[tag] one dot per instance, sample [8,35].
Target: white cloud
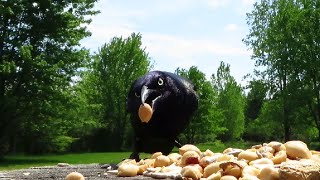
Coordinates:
[181,48]
[247,3]
[169,6]
[102,34]
[218,3]
[171,52]
[105,32]
[231,27]
[245,6]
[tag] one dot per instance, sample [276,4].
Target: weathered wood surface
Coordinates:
[90,172]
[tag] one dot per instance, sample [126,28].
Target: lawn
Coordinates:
[24,161]
[21,161]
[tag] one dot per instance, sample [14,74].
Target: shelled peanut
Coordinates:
[268,161]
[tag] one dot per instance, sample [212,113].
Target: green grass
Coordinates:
[21,161]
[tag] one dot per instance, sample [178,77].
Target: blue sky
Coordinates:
[179,33]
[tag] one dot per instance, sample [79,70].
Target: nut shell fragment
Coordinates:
[231,168]
[191,171]
[205,161]
[277,146]
[232,151]
[228,177]
[279,157]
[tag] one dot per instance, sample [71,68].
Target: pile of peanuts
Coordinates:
[268,161]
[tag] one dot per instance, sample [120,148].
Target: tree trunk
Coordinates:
[2,78]
[316,110]
[284,95]
[317,114]
[286,123]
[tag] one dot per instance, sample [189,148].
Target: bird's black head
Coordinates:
[158,89]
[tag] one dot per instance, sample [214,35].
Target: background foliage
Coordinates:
[56,97]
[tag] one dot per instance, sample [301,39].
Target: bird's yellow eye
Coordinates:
[160,82]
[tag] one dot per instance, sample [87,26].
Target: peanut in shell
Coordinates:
[145,112]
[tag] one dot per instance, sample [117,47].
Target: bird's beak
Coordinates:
[144,93]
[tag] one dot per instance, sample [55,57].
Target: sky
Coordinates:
[179,33]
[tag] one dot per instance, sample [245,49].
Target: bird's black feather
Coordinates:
[176,101]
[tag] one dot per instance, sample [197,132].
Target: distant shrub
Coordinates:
[314,146]
[61,144]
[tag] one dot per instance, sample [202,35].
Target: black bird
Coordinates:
[173,100]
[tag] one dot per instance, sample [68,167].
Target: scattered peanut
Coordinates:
[215,176]
[269,173]
[128,170]
[191,171]
[208,152]
[189,147]
[267,161]
[261,161]
[248,155]
[225,157]
[161,161]
[190,157]
[174,157]
[155,155]
[211,169]
[250,171]
[297,149]
[231,168]
[75,176]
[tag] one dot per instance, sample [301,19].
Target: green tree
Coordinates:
[230,102]
[205,125]
[284,37]
[116,66]
[270,45]
[268,125]
[39,53]
[308,33]
[255,98]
